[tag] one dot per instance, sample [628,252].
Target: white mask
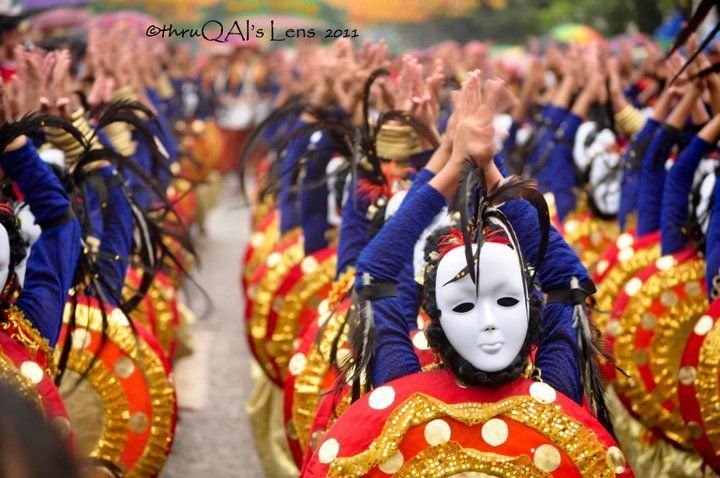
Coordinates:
[488,329]
[31,233]
[4,256]
[333,215]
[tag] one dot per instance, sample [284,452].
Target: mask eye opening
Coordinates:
[507,301]
[464,307]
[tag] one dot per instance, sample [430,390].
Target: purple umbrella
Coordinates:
[29,5]
[60,19]
[131,19]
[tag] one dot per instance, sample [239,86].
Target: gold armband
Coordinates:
[629,120]
[164,87]
[120,136]
[68,144]
[397,142]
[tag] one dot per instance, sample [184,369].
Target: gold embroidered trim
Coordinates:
[570,436]
[11,374]
[159,385]
[665,350]
[301,293]
[707,386]
[267,239]
[621,272]
[19,328]
[309,383]
[450,459]
[589,237]
[265,294]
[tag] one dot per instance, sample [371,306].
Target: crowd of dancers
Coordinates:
[466,265]
[458,264]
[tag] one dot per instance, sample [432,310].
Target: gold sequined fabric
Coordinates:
[665,307]
[316,277]
[123,358]
[569,436]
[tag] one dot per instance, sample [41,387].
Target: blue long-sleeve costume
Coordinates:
[552,117]
[117,236]
[383,258]
[712,243]
[676,195]
[652,178]
[52,261]
[562,168]
[632,165]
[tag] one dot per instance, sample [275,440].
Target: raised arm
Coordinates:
[52,261]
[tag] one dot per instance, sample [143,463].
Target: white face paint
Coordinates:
[488,329]
[394,204]
[333,214]
[31,233]
[4,256]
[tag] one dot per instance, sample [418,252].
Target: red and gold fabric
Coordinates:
[625,257]
[589,236]
[119,394]
[427,424]
[656,314]
[158,310]
[262,287]
[295,303]
[26,364]
[260,246]
[699,386]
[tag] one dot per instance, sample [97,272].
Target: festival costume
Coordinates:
[29,331]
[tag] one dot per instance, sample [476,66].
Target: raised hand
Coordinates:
[474,133]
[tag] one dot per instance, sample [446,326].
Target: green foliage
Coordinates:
[524,18]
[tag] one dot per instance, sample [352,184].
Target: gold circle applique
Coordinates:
[625,254]
[687,375]
[328,451]
[624,240]
[81,338]
[381,397]
[665,263]
[547,458]
[668,298]
[703,325]
[614,328]
[343,355]
[392,464]
[602,266]
[308,265]
[437,432]
[257,239]
[495,432]
[543,392]
[297,364]
[62,426]
[648,321]
[633,286]
[32,371]
[616,459]
[291,430]
[274,259]
[138,422]
[693,288]
[570,226]
[124,367]
[695,429]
